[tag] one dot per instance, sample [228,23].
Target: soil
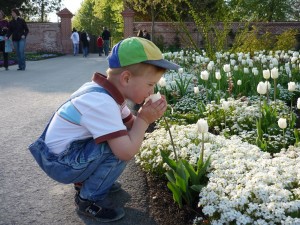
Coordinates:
[162,206]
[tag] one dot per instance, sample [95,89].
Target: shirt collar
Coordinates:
[101,80]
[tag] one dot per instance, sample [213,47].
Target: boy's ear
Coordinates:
[125,76]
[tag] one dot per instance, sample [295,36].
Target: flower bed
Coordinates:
[250,104]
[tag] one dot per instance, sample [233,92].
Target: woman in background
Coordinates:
[3,31]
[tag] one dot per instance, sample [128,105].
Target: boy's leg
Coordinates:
[91,200]
[97,185]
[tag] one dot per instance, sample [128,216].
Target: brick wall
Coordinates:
[44,37]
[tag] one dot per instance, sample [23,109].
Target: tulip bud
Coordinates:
[162,82]
[202,126]
[153,97]
[225,105]
[282,123]
[239,82]
[226,68]
[204,75]
[291,86]
[196,90]
[261,88]
[266,74]
[274,73]
[298,103]
[180,70]
[218,75]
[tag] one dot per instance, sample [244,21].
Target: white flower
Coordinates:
[274,73]
[202,126]
[196,90]
[180,70]
[204,75]
[246,70]
[298,103]
[261,88]
[225,105]
[226,68]
[291,86]
[268,85]
[282,123]
[153,97]
[162,82]
[266,74]
[218,75]
[239,82]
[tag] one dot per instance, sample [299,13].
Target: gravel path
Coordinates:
[28,99]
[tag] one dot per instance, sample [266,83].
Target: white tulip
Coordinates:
[236,68]
[225,105]
[204,75]
[180,70]
[274,73]
[239,82]
[153,97]
[267,83]
[196,90]
[246,70]
[282,123]
[266,74]
[226,68]
[162,82]
[255,71]
[291,86]
[202,126]
[261,88]
[218,75]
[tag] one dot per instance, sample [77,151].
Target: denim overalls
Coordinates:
[83,161]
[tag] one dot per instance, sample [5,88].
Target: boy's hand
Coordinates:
[150,112]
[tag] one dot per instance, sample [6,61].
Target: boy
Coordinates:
[92,135]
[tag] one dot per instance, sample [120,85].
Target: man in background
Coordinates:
[106,38]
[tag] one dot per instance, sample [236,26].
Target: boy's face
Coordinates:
[140,86]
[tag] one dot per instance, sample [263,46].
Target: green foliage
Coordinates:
[38,10]
[7,5]
[268,10]
[286,40]
[250,41]
[95,14]
[185,181]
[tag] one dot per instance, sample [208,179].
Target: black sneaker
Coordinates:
[114,188]
[99,211]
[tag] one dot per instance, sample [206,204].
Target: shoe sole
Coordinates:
[99,219]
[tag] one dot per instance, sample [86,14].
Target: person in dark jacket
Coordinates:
[106,38]
[3,30]
[85,43]
[19,30]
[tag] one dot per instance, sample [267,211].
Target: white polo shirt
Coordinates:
[93,114]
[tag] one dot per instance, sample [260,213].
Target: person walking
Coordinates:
[75,40]
[3,31]
[100,45]
[102,133]
[85,43]
[19,30]
[106,38]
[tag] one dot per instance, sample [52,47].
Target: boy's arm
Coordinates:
[125,147]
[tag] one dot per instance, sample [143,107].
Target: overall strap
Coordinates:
[75,95]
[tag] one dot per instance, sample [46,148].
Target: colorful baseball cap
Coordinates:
[138,50]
